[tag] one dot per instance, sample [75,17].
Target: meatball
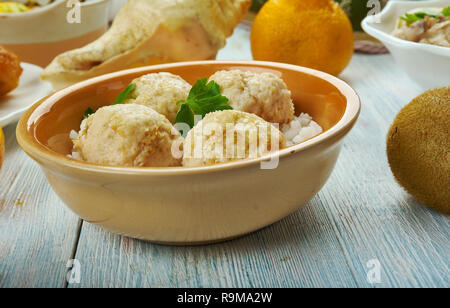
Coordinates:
[10,71]
[263,94]
[225,136]
[161,91]
[128,135]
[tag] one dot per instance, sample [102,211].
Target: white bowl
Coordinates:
[39,35]
[428,65]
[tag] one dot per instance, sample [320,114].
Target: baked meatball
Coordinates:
[230,135]
[263,94]
[128,135]
[160,91]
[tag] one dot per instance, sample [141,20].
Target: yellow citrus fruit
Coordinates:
[2,146]
[312,33]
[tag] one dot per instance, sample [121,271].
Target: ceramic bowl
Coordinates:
[428,65]
[39,35]
[189,205]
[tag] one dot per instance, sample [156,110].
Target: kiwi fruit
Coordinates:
[418,148]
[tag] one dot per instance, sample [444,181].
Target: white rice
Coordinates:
[73,135]
[75,155]
[300,129]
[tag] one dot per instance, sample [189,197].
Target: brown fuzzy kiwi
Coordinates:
[418,148]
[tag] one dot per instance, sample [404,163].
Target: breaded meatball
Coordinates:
[128,135]
[263,94]
[10,71]
[230,135]
[160,91]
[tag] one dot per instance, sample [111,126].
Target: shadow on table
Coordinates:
[304,225]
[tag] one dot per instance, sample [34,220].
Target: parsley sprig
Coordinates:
[124,95]
[203,98]
[88,112]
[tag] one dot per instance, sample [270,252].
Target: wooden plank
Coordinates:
[372,215]
[37,232]
[300,251]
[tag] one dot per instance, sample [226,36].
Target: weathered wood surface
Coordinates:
[360,215]
[37,232]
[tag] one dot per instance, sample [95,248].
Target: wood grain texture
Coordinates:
[375,217]
[361,214]
[37,232]
[302,250]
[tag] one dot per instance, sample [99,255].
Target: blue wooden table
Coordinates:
[361,230]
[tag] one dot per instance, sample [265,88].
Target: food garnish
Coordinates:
[88,112]
[413,17]
[124,95]
[203,98]
[446,11]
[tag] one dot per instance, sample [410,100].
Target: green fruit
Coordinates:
[418,148]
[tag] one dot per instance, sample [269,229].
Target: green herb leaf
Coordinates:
[125,94]
[185,115]
[446,11]
[203,98]
[88,112]
[411,18]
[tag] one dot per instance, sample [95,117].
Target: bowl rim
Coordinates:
[48,7]
[40,152]
[368,26]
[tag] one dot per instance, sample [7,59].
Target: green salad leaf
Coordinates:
[203,98]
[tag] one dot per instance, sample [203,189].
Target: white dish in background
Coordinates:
[428,65]
[39,35]
[30,89]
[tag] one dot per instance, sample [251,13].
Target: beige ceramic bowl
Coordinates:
[189,205]
[39,35]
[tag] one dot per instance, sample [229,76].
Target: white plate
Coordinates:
[30,90]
